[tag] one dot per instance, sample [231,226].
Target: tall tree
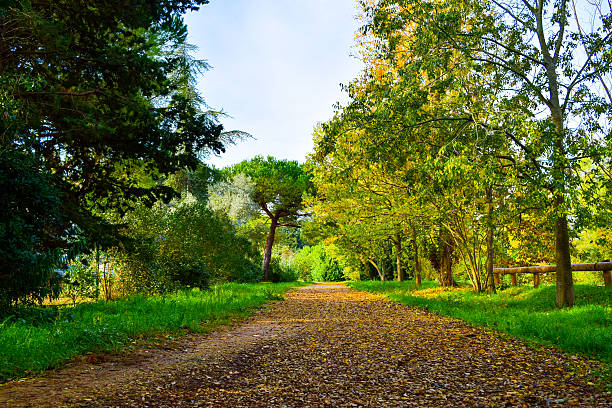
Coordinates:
[93,93]
[28,227]
[279,187]
[533,47]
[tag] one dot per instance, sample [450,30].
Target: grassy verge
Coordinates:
[46,338]
[523,312]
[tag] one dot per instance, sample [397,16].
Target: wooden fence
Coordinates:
[604,267]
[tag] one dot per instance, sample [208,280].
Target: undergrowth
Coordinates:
[37,339]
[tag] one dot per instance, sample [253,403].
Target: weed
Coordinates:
[271,295]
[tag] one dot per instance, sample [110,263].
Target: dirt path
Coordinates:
[326,345]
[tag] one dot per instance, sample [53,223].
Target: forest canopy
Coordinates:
[476,137]
[479,133]
[98,105]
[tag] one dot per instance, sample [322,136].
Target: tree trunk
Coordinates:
[490,253]
[417,262]
[268,250]
[565,282]
[446,266]
[398,257]
[383,275]
[107,276]
[97,271]
[380,275]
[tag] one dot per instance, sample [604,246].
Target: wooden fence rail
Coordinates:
[604,267]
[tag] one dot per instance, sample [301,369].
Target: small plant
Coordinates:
[79,281]
[271,295]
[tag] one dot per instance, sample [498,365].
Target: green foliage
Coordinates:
[302,263]
[95,90]
[30,224]
[98,103]
[464,134]
[80,281]
[279,185]
[196,183]
[185,244]
[278,188]
[282,270]
[594,244]
[233,198]
[46,338]
[250,272]
[523,312]
[316,264]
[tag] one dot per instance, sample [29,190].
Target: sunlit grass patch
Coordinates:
[436,292]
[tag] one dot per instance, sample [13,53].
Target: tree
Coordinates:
[90,90]
[316,263]
[28,226]
[532,46]
[233,198]
[279,187]
[396,176]
[182,245]
[95,94]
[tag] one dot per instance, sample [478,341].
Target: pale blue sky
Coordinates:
[277,66]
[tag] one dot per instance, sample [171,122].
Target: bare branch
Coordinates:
[513,15]
[519,74]
[562,24]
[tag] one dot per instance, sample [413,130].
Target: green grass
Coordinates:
[45,338]
[522,312]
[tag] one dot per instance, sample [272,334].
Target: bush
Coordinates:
[188,274]
[315,263]
[182,245]
[79,281]
[281,271]
[249,272]
[302,263]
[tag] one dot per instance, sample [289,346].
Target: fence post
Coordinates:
[497,282]
[536,280]
[607,277]
[513,275]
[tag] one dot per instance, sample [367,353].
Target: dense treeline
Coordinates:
[102,140]
[98,106]
[478,135]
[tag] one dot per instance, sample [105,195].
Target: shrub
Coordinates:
[79,281]
[249,272]
[281,271]
[182,245]
[315,263]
